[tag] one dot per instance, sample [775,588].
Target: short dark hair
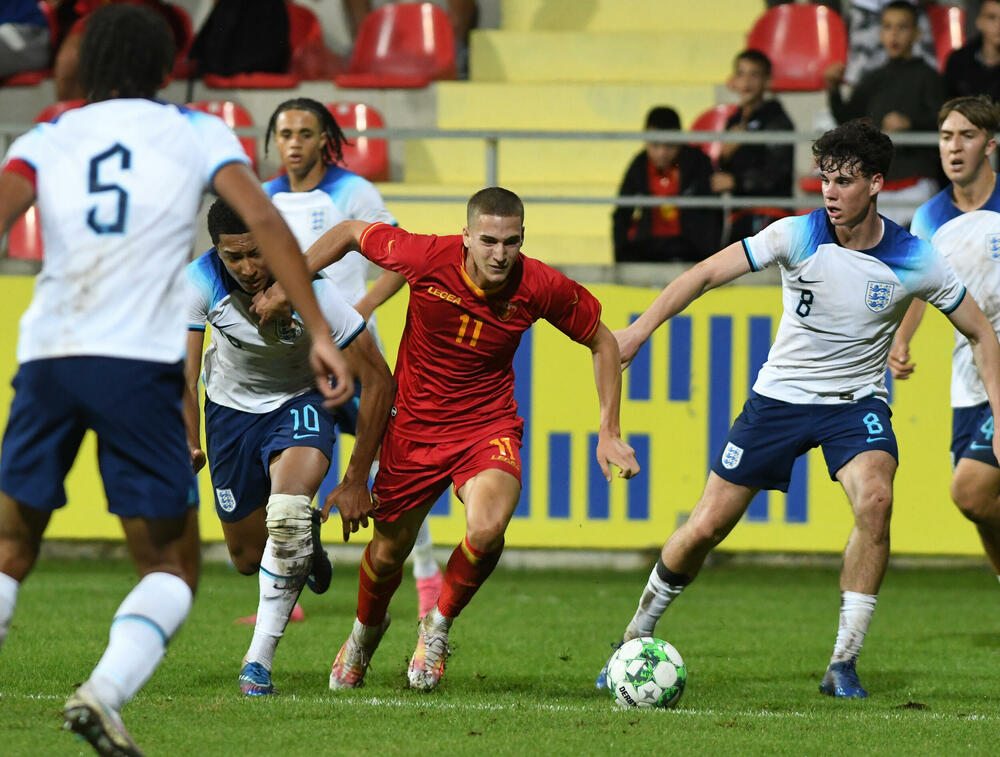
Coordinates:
[662,117]
[222,219]
[981,111]
[901,5]
[494,201]
[754,56]
[335,139]
[854,146]
[127,51]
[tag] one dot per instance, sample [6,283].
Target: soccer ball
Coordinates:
[646,672]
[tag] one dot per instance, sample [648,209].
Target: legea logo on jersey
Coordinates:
[731,456]
[993,246]
[879,295]
[226,499]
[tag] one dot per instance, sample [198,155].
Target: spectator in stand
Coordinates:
[902,95]
[760,170]
[24,37]
[243,37]
[975,68]
[666,233]
[865,52]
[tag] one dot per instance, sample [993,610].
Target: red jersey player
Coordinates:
[455,420]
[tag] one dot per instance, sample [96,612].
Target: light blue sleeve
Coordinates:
[218,144]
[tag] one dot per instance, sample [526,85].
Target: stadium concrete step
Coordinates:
[448,217]
[569,106]
[629,15]
[531,161]
[704,57]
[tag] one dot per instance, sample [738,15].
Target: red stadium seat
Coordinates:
[365,156]
[255,80]
[235,116]
[303,26]
[713,119]
[948,27]
[53,111]
[24,240]
[402,45]
[310,59]
[801,41]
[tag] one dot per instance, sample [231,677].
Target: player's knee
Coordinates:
[386,555]
[972,500]
[289,519]
[246,561]
[873,509]
[486,537]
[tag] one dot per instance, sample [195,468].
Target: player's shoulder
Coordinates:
[934,213]
[901,250]
[344,185]
[276,185]
[797,237]
[209,277]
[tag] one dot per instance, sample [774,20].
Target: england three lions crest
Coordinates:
[993,246]
[878,295]
[731,456]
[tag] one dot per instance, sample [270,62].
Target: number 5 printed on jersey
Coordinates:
[121,158]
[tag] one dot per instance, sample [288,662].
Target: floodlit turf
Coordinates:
[520,681]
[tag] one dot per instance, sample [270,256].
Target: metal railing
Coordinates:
[491,173]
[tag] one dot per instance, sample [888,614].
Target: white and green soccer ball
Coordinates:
[646,672]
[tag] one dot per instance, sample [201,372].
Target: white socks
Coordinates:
[8,600]
[662,588]
[286,562]
[278,593]
[424,564]
[143,625]
[855,616]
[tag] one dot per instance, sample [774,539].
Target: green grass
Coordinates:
[520,681]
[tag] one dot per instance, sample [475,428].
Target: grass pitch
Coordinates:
[520,680]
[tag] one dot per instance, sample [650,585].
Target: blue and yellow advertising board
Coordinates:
[678,399]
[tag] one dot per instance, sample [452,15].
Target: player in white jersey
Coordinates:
[848,276]
[270,439]
[963,222]
[118,184]
[314,195]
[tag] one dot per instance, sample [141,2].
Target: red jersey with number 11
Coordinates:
[455,371]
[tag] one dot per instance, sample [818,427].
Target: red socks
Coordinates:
[467,569]
[375,591]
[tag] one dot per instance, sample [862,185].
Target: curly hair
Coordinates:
[854,146]
[222,219]
[127,51]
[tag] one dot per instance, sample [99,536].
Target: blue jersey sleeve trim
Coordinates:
[958,302]
[346,342]
[196,327]
[746,250]
[244,160]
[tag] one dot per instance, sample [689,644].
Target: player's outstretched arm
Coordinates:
[192,411]
[385,286]
[16,196]
[240,189]
[325,251]
[724,266]
[975,327]
[899,355]
[378,390]
[611,449]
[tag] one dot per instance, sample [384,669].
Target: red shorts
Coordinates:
[412,473]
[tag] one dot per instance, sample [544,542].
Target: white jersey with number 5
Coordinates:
[118,184]
[842,306]
[971,244]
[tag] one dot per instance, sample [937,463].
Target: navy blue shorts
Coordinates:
[769,434]
[972,434]
[134,407]
[240,446]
